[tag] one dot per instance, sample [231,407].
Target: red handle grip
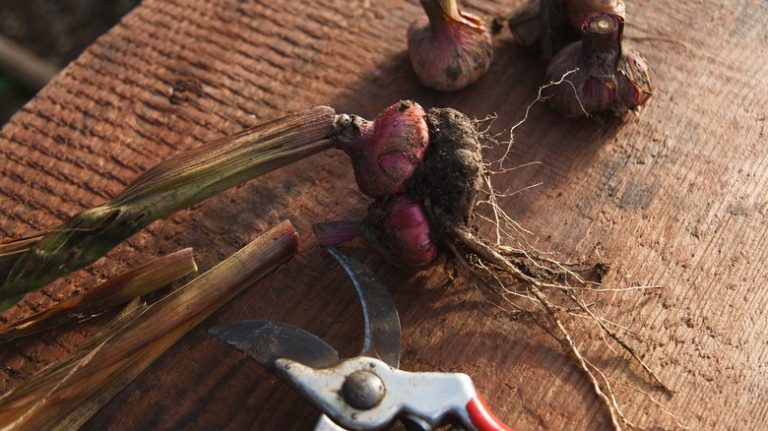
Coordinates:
[482,417]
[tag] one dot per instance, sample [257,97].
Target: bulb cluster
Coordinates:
[604,76]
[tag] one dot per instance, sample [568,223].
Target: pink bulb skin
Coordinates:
[400,230]
[407,226]
[390,149]
[449,53]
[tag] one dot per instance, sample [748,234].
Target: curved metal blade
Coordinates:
[266,341]
[382,323]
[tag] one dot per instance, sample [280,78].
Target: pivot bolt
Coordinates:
[363,390]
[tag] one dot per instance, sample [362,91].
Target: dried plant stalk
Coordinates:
[118,290]
[174,184]
[66,395]
[11,250]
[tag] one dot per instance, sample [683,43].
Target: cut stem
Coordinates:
[601,43]
[439,10]
[174,184]
[119,290]
[66,395]
[335,233]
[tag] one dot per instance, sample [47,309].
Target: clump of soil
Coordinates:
[449,178]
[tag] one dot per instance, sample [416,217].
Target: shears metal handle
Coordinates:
[365,393]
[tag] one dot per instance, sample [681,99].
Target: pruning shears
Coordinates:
[366,392]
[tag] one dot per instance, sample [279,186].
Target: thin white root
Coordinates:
[678,422]
[540,98]
[620,341]
[523,281]
[569,345]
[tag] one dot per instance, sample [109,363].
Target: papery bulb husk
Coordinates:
[607,79]
[449,52]
[386,152]
[637,86]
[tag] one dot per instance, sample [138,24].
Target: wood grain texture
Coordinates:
[674,197]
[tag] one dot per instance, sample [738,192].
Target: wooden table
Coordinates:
[674,198]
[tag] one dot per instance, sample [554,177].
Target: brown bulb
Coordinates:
[605,77]
[449,49]
[551,25]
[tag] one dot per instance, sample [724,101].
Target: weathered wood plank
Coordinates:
[675,198]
